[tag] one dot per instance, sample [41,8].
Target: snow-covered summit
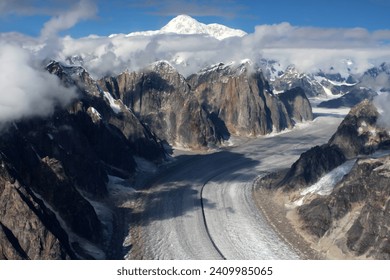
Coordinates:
[184,24]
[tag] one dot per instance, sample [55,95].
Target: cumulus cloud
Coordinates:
[382,102]
[309,48]
[27,90]
[34,7]
[346,50]
[83,10]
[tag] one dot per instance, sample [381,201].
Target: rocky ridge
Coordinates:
[357,134]
[206,108]
[55,170]
[162,99]
[359,203]
[348,220]
[53,167]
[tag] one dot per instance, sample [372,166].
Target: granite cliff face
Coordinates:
[207,107]
[51,168]
[54,170]
[359,204]
[241,98]
[162,99]
[297,105]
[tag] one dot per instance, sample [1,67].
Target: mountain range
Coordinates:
[57,171]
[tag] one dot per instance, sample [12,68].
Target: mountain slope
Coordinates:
[52,169]
[163,100]
[241,98]
[336,195]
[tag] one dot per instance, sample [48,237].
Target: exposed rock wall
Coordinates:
[354,218]
[365,191]
[241,99]
[161,98]
[357,134]
[28,229]
[297,104]
[50,165]
[209,106]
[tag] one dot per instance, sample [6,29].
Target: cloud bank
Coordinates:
[27,90]
[309,48]
[34,7]
[345,50]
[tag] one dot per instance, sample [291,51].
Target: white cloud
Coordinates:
[85,9]
[308,48]
[33,7]
[27,90]
[382,102]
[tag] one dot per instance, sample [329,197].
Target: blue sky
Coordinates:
[120,16]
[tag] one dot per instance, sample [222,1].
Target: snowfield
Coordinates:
[202,207]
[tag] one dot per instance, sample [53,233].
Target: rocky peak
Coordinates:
[163,67]
[359,133]
[239,96]
[292,72]
[50,166]
[161,98]
[222,71]
[73,75]
[184,24]
[376,71]
[272,69]
[297,104]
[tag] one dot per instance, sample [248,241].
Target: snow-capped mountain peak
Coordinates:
[184,24]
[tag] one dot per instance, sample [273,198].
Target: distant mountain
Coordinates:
[350,99]
[377,78]
[291,78]
[185,25]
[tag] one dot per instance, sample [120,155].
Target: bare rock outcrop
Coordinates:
[162,99]
[209,106]
[297,104]
[51,167]
[362,198]
[28,229]
[357,134]
[353,217]
[241,98]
